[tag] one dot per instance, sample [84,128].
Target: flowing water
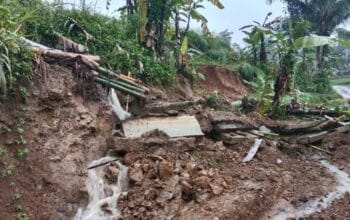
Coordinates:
[104,189]
[285,210]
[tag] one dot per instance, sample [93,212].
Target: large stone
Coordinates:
[112,173]
[136,175]
[217,190]
[202,182]
[164,196]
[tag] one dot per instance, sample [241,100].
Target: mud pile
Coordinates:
[191,178]
[228,83]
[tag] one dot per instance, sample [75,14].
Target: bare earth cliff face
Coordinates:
[68,124]
[64,132]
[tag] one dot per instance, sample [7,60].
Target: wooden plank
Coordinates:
[320,149]
[313,137]
[180,126]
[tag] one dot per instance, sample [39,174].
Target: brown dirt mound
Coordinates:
[192,178]
[228,83]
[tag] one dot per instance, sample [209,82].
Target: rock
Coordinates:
[164,196]
[64,207]
[129,159]
[190,167]
[203,173]
[202,182]
[230,139]
[279,161]
[220,146]
[165,170]
[217,190]
[55,158]
[186,176]
[154,141]
[146,167]
[160,152]
[172,183]
[112,173]
[105,208]
[172,113]
[211,173]
[157,94]
[201,198]
[136,175]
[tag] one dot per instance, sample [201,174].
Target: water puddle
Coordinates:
[107,180]
[285,210]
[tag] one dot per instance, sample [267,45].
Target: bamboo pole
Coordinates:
[138,89]
[119,87]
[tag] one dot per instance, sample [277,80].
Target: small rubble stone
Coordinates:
[165,170]
[217,190]
[112,173]
[202,182]
[136,175]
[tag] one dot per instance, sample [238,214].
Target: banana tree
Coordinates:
[257,34]
[287,49]
[12,16]
[187,10]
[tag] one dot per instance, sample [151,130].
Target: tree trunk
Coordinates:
[161,22]
[177,39]
[319,58]
[188,20]
[263,55]
[255,56]
[130,6]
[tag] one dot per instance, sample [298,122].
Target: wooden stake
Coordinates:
[320,149]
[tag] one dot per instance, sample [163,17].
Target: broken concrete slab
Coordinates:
[232,139]
[297,127]
[222,128]
[314,137]
[179,126]
[162,107]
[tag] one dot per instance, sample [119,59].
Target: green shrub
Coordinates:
[247,71]
[116,41]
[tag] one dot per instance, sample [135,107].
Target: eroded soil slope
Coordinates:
[65,127]
[225,81]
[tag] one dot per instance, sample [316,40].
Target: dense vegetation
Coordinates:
[153,40]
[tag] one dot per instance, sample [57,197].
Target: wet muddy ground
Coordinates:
[65,127]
